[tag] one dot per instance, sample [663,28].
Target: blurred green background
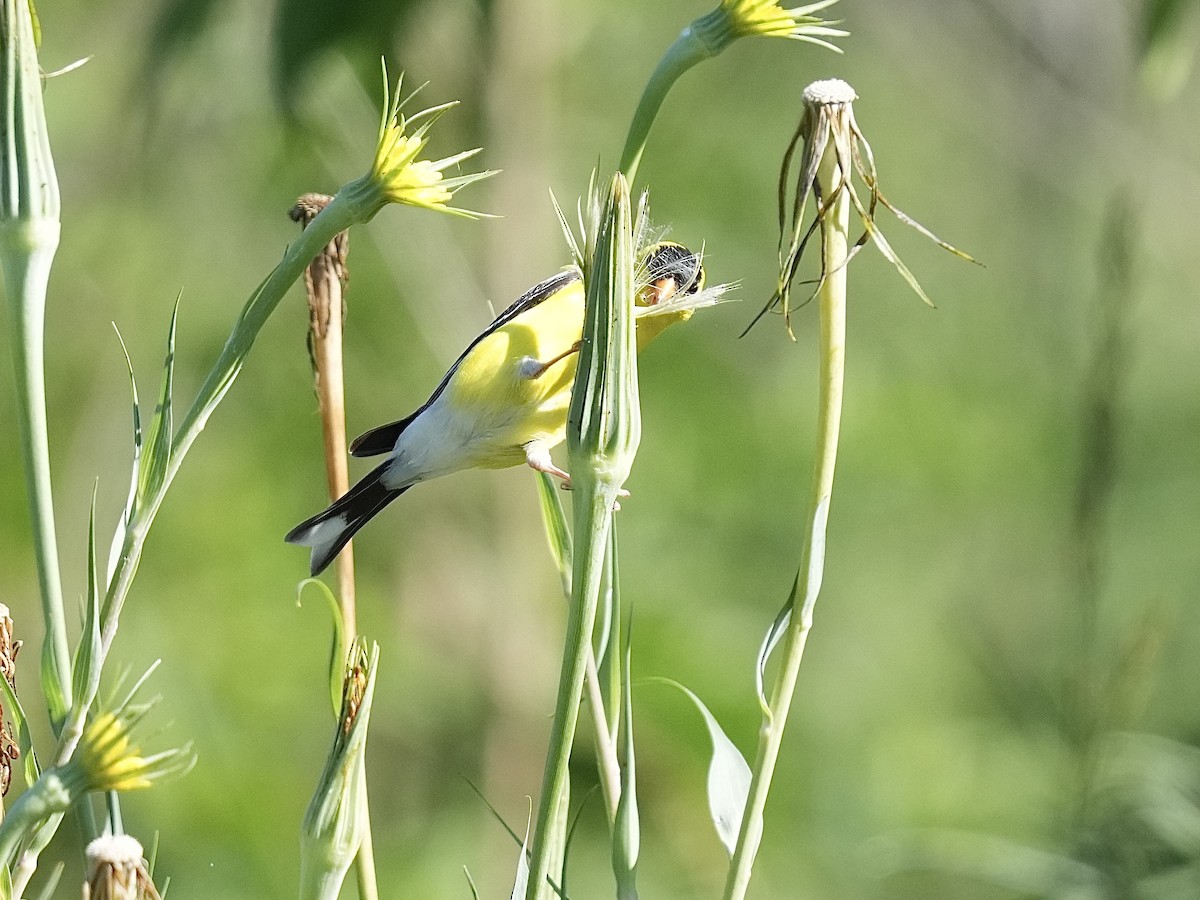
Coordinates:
[1009,611]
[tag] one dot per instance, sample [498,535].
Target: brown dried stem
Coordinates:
[325,278]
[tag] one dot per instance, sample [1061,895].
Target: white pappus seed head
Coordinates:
[114,849]
[828,92]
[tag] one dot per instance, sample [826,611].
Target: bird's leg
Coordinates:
[537,455]
[532,368]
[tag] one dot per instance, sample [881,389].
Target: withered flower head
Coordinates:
[833,154]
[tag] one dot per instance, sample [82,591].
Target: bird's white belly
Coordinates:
[444,439]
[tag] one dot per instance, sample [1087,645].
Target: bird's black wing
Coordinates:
[383,439]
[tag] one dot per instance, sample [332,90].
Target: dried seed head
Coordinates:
[117,870]
[829,92]
[327,266]
[833,155]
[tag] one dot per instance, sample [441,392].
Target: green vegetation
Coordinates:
[998,700]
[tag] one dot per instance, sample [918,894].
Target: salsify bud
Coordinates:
[336,820]
[29,189]
[605,420]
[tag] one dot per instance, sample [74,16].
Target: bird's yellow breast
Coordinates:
[493,384]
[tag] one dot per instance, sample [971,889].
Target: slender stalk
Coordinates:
[832,300]
[325,280]
[603,431]
[607,766]
[592,521]
[26,275]
[347,208]
[355,203]
[558,534]
[29,235]
[364,861]
[687,50]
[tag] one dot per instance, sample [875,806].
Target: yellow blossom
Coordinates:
[769,19]
[397,172]
[109,760]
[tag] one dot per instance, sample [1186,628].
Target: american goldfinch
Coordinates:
[504,401]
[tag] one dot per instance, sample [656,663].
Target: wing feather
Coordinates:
[383,438]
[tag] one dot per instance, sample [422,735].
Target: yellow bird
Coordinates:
[504,401]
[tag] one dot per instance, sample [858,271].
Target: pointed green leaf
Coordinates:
[340,650]
[816,574]
[728,775]
[131,502]
[561,888]
[626,844]
[495,813]
[521,883]
[157,447]
[52,690]
[86,670]
[557,532]
[777,630]
[47,892]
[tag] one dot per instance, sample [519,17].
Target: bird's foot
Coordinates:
[537,456]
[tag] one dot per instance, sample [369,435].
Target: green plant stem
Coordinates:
[607,766]
[592,523]
[357,202]
[603,431]
[27,249]
[832,299]
[364,860]
[48,797]
[559,537]
[687,50]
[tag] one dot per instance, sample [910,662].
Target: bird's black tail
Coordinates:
[329,531]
